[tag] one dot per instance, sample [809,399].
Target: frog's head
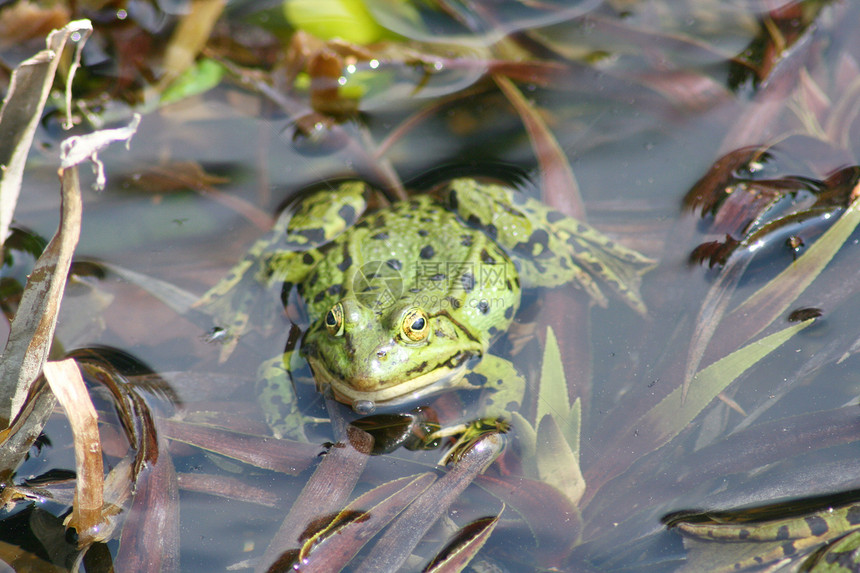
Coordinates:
[373,357]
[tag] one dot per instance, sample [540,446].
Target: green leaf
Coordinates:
[665,420]
[527,437]
[327,19]
[197,79]
[553,397]
[557,462]
[775,297]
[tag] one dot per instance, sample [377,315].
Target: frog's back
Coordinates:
[418,253]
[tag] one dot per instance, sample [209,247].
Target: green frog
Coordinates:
[406,301]
[808,538]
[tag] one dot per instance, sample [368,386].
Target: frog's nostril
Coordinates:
[381,353]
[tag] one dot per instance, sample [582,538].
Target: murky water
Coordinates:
[643,99]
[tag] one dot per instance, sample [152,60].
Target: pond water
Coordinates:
[746,111]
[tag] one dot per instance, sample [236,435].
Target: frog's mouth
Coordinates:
[437,380]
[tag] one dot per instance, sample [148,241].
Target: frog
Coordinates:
[406,301]
[801,534]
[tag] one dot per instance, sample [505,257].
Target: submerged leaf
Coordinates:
[558,461]
[774,298]
[553,397]
[559,183]
[465,545]
[404,534]
[326,492]
[150,533]
[333,547]
[665,420]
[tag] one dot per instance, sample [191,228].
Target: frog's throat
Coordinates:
[433,382]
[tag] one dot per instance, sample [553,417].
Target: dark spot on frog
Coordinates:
[335,289]
[319,296]
[492,331]
[346,263]
[347,213]
[817,525]
[508,284]
[420,368]
[467,280]
[537,245]
[476,380]
[423,232]
[491,231]
[361,224]
[380,236]
[438,277]
[509,312]
[562,262]
[308,259]
[394,264]
[853,515]
[415,290]
[483,306]
[554,217]
[426,220]
[486,258]
[440,334]
[453,203]
[466,240]
[427,252]
[313,236]
[414,205]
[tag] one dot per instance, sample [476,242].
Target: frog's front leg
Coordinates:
[503,391]
[503,386]
[277,397]
[550,248]
[286,254]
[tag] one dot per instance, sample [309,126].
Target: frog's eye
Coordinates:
[416,324]
[334,320]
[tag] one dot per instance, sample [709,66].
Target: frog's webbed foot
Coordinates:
[467,435]
[503,392]
[550,248]
[277,397]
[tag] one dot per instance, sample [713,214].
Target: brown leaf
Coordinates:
[464,546]
[34,324]
[404,534]
[332,548]
[261,451]
[558,182]
[150,534]
[325,493]
[69,388]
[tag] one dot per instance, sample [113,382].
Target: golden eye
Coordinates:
[334,320]
[416,324]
